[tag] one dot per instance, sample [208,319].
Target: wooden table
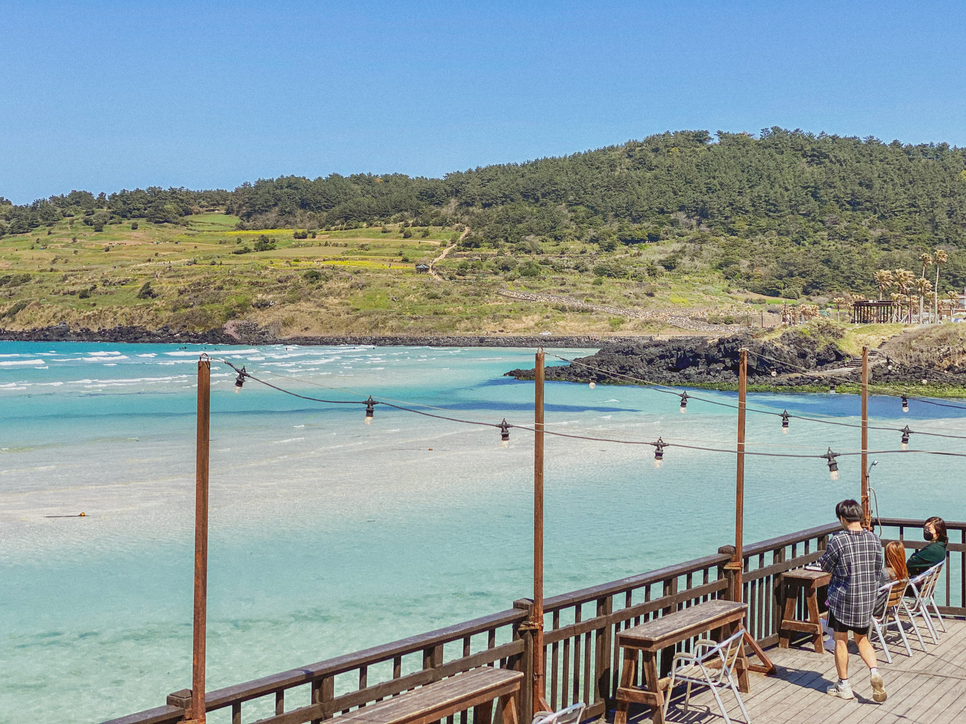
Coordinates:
[476,688]
[649,638]
[810,581]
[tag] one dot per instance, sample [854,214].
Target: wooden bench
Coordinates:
[659,633]
[472,689]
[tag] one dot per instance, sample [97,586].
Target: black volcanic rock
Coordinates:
[795,359]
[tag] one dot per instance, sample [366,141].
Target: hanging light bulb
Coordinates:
[785,417]
[659,453]
[370,410]
[831,388]
[905,404]
[684,402]
[905,437]
[240,380]
[833,467]
[504,434]
[592,385]
[774,373]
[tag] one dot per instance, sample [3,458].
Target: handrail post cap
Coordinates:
[180,699]
[523,603]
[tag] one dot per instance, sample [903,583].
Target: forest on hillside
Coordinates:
[783,213]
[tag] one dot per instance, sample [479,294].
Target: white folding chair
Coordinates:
[923,589]
[893,604]
[570,715]
[700,667]
[929,596]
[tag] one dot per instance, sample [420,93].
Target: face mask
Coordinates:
[926,535]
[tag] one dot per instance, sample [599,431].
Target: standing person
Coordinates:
[934,531]
[854,558]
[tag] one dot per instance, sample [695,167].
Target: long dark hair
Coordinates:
[939,525]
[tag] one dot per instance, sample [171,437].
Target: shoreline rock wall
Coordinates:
[247,333]
[795,360]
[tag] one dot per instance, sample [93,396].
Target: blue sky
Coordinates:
[109,95]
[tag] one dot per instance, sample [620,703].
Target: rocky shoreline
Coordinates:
[247,333]
[793,361]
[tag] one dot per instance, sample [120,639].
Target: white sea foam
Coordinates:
[24,363]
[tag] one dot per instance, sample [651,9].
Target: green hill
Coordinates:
[677,220]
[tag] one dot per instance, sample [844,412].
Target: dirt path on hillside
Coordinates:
[447,250]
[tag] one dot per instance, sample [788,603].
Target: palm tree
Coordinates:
[940,258]
[923,286]
[883,278]
[926,260]
[896,306]
[953,296]
[903,279]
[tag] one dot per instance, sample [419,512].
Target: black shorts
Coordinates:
[842,628]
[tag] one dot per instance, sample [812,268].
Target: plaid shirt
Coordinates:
[855,560]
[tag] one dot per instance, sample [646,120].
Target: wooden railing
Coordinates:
[580,632]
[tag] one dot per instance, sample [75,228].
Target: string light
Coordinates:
[666,390]
[684,402]
[659,453]
[659,446]
[504,434]
[592,385]
[833,467]
[785,417]
[905,404]
[905,437]
[240,380]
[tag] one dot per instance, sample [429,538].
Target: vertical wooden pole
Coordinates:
[539,663]
[866,509]
[197,713]
[738,562]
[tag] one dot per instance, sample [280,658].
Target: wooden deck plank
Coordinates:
[929,687]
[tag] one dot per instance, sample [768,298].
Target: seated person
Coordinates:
[895,562]
[934,531]
[895,570]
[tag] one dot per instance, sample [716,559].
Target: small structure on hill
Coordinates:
[868,312]
[422,268]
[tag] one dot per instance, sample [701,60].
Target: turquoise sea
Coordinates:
[328,535]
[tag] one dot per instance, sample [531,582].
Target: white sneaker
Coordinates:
[878,688]
[842,691]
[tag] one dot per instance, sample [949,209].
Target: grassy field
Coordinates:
[359,281]
[199,275]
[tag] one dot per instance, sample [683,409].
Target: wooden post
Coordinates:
[197,711]
[539,663]
[866,508]
[737,562]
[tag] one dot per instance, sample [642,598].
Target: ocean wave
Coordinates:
[24,363]
[101,358]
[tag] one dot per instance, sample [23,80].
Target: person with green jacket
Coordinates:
[934,531]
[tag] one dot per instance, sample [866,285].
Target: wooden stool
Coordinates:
[810,582]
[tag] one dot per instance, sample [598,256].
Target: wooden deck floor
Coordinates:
[930,688]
